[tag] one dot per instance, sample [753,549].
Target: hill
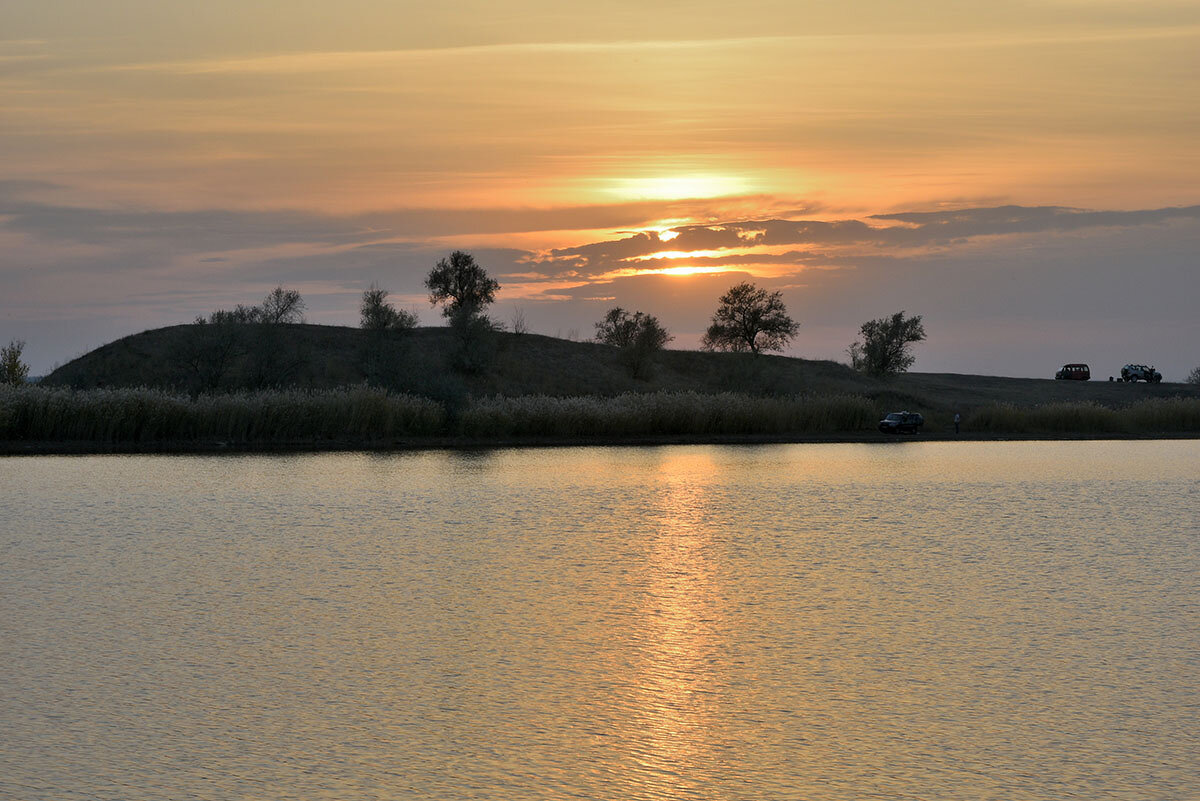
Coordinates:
[422,361]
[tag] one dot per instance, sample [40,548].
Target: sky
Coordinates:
[1024,175]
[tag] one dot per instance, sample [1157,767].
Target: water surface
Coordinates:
[903,621]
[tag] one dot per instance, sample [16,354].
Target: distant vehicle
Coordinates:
[1140,372]
[1074,372]
[901,423]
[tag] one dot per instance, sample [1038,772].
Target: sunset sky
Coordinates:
[1026,175]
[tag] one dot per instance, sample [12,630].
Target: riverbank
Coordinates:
[204,447]
[44,420]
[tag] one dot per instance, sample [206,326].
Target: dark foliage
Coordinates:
[13,371]
[379,315]
[460,285]
[750,319]
[884,348]
[279,306]
[638,335]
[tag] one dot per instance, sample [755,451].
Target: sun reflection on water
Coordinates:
[675,687]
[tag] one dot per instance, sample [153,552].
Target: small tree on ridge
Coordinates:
[638,335]
[379,315]
[283,306]
[12,370]
[750,318]
[884,349]
[460,285]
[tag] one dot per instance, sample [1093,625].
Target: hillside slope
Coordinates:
[422,361]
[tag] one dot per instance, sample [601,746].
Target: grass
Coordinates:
[1148,416]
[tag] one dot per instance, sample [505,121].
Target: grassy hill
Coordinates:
[307,386]
[422,361]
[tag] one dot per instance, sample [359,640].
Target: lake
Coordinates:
[993,620]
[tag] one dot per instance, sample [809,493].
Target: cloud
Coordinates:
[840,238]
[976,273]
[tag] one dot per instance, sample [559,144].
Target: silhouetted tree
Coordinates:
[884,349]
[239,315]
[283,306]
[519,326]
[379,315]
[475,341]
[750,318]
[1194,376]
[638,335]
[279,306]
[459,284]
[12,370]
[207,355]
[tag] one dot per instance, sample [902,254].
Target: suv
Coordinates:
[1074,372]
[1135,372]
[901,423]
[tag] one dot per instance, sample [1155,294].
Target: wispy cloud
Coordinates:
[321,61]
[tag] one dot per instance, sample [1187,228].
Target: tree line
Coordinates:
[748,319]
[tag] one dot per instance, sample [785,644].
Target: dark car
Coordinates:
[1074,372]
[901,423]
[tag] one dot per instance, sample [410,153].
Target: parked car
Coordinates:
[901,423]
[1074,372]
[1140,372]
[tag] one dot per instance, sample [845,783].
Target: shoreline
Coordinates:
[406,444]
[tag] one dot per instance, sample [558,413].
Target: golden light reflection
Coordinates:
[681,624]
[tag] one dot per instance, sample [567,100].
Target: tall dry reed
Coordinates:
[1150,416]
[152,415]
[664,413]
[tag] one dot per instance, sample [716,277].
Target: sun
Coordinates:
[678,187]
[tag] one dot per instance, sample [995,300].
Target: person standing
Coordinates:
[957,420]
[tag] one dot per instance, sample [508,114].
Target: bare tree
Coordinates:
[279,306]
[750,319]
[1194,376]
[283,306]
[884,349]
[12,370]
[208,355]
[460,285]
[517,321]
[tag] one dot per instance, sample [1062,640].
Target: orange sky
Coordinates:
[160,159]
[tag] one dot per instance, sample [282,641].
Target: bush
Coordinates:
[279,306]
[638,335]
[379,315]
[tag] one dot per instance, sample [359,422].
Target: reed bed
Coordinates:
[1150,416]
[151,415]
[365,415]
[664,413]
